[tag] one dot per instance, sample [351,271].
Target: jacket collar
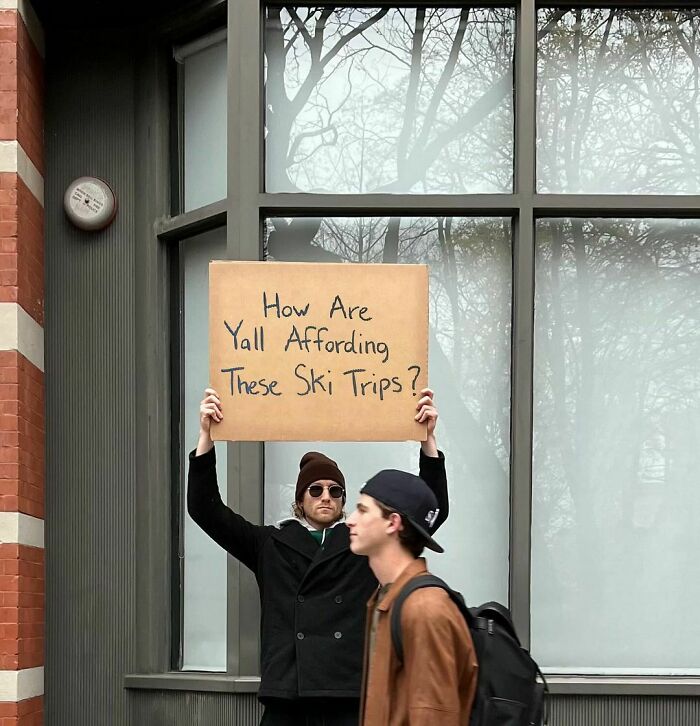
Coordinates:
[417,567]
[293,534]
[305,524]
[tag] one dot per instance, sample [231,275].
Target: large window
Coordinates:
[616,456]
[200,128]
[384,99]
[544,161]
[618,101]
[204,572]
[202,117]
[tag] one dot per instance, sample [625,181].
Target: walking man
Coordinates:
[436,682]
[313,589]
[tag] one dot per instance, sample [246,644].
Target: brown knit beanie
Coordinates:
[313,467]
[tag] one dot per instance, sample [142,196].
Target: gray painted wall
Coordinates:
[166,708]
[90,393]
[108,480]
[623,711]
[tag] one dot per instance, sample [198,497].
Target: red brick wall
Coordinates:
[29,712]
[21,265]
[22,422]
[21,435]
[21,87]
[21,607]
[30,98]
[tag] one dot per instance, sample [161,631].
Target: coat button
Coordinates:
[337,635]
[339,598]
[300,598]
[300,636]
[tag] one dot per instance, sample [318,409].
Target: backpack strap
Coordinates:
[545,696]
[412,585]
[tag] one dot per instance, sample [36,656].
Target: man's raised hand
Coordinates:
[209,410]
[427,413]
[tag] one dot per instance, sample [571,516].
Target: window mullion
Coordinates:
[457,205]
[523,314]
[243,242]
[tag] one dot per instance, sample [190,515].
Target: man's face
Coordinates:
[369,528]
[324,509]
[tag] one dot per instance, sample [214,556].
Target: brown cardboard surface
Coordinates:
[324,352]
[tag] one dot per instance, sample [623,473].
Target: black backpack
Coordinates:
[508,692]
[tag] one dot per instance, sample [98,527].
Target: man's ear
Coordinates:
[395,523]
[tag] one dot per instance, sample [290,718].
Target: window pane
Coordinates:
[205,126]
[616,501]
[618,108]
[389,99]
[469,361]
[204,636]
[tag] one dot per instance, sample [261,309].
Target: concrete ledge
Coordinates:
[14,159]
[19,528]
[624,685]
[20,685]
[176,681]
[19,331]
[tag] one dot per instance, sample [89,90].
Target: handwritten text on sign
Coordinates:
[318,351]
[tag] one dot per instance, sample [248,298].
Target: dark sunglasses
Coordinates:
[335,490]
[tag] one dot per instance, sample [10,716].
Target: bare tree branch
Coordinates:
[301,26]
[445,77]
[366,25]
[412,90]
[576,157]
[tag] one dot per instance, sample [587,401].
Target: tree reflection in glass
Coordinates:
[389,99]
[616,501]
[619,101]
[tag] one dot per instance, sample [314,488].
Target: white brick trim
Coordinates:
[19,528]
[20,685]
[30,175]
[13,158]
[19,331]
[31,21]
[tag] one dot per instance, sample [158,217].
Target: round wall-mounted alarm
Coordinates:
[90,203]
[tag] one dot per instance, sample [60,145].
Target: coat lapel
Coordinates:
[294,535]
[337,542]
[372,603]
[378,690]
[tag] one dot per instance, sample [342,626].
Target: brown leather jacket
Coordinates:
[437,682]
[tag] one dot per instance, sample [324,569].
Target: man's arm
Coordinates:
[439,660]
[432,461]
[236,535]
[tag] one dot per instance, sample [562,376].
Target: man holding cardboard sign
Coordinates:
[313,589]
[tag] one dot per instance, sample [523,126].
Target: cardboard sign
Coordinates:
[318,352]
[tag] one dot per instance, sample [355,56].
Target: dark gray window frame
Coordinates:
[243,213]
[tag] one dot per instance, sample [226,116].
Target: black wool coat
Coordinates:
[312,599]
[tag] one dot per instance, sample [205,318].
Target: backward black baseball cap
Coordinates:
[408,495]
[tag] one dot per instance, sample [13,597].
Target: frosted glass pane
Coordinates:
[618,109]
[389,99]
[205,126]
[469,364]
[204,635]
[616,501]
